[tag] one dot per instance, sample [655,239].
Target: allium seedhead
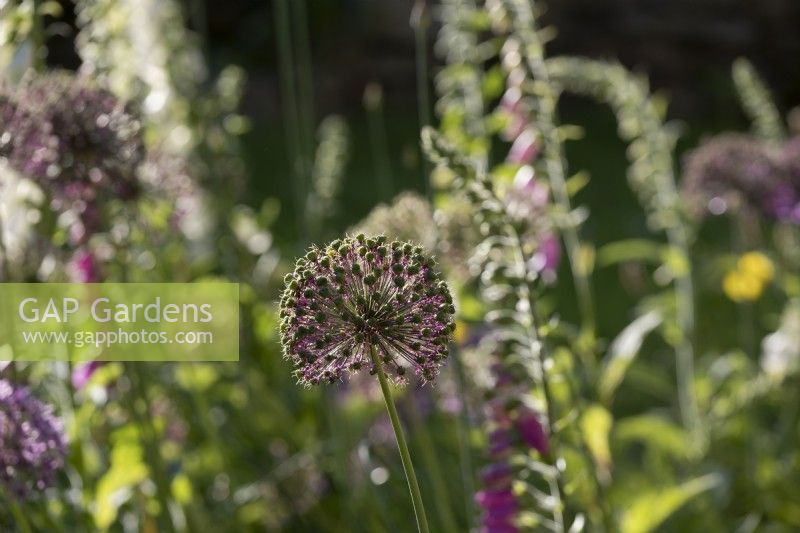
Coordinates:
[784,204]
[409,217]
[32,442]
[729,170]
[74,139]
[358,293]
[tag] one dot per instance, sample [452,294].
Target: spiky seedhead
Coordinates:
[361,293]
[729,171]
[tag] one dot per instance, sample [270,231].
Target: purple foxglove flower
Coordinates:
[496,475]
[499,442]
[547,256]
[500,509]
[498,499]
[358,294]
[83,372]
[525,148]
[83,268]
[511,104]
[532,431]
[32,442]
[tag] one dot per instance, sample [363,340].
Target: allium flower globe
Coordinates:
[730,170]
[359,294]
[32,442]
[73,138]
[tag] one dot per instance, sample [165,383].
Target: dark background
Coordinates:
[686,47]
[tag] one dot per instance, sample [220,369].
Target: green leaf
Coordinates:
[596,425]
[623,351]
[630,250]
[577,182]
[127,470]
[656,432]
[650,509]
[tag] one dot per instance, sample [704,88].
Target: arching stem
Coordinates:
[405,456]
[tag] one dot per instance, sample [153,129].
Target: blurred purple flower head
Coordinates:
[500,508]
[527,201]
[83,268]
[731,171]
[496,475]
[525,147]
[32,442]
[531,430]
[83,372]
[499,442]
[75,139]
[516,114]
[785,199]
[361,293]
[547,256]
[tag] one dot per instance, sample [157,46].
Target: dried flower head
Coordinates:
[359,294]
[73,138]
[784,203]
[409,217]
[32,442]
[729,171]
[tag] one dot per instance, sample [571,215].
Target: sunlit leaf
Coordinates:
[596,424]
[656,432]
[651,508]
[623,351]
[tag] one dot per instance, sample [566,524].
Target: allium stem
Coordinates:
[405,456]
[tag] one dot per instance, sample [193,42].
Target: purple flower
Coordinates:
[495,475]
[75,139]
[83,268]
[83,372]
[784,203]
[358,294]
[32,442]
[525,148]
[512,105]
[531,431]
[500,508]
[729,171]
[499,442]
[548,256]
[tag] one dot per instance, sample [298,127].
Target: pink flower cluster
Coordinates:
[516,428]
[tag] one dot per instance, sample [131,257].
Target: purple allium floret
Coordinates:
[75,139]
[32,442]
[361,293]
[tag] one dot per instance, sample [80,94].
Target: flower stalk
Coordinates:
[402,445]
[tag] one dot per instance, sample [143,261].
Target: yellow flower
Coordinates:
[741,287]
[756,265]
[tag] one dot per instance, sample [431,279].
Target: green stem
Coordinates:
[405,456]
[419,21]
[684,352]
[379,142]
[291,114]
